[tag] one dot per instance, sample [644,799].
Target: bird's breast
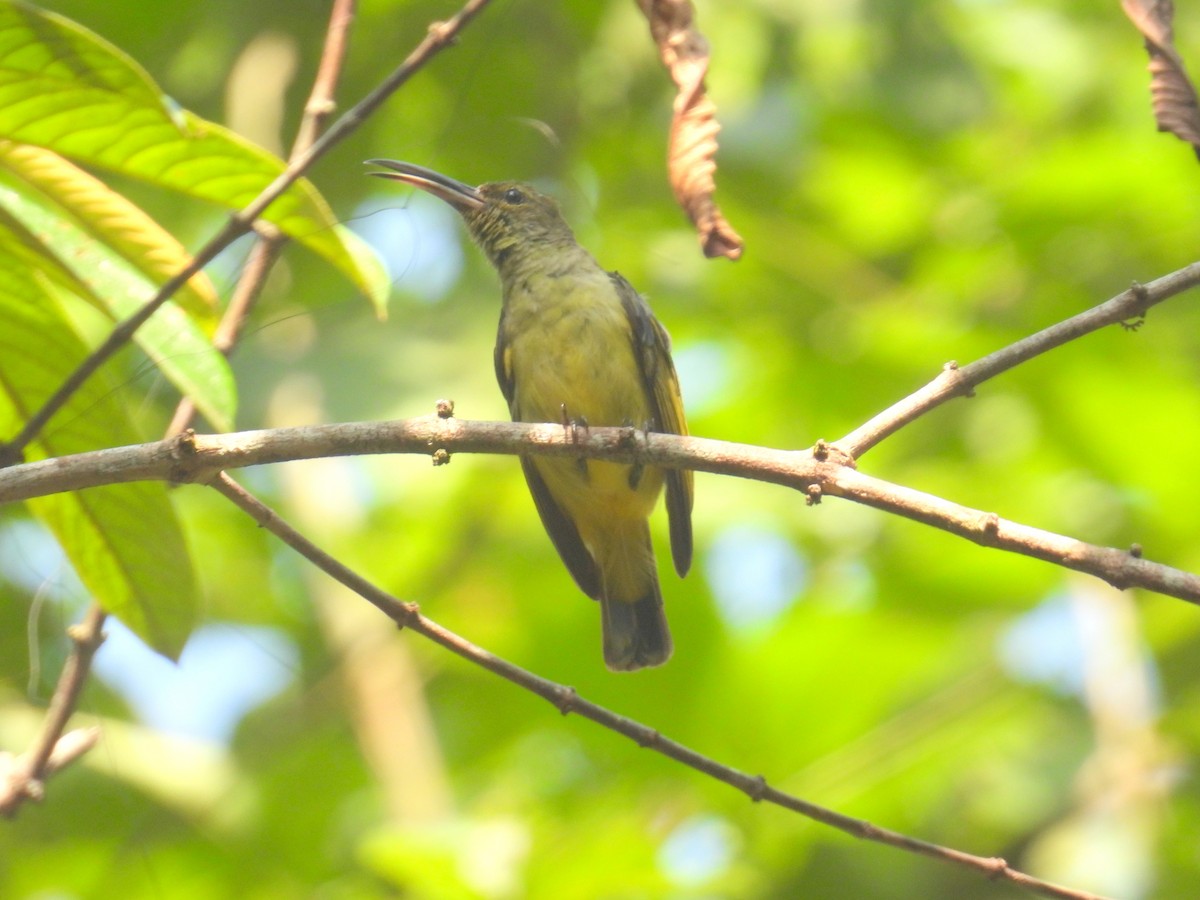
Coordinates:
[571,349]
[569,353]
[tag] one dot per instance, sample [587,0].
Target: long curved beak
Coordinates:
[462,197]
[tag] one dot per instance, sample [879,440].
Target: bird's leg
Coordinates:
[636,470]
[572,426]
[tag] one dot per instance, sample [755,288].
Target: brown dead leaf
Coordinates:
[1173,96]
[693,139]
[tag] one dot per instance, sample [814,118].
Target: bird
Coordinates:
[578,344]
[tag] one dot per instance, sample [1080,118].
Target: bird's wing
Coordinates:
[652,350]
[504,374]
[558,524]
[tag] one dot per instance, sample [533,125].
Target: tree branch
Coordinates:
[1129,305]
[818,472]
[566,700]
[439,36]
[52,750]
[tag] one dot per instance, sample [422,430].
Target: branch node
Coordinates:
[648,737]
[825,452]
[187,462]
[323,107]
[997,866]
[812,494]
[441,457]
[443,33]
[84,637]
[757,790]
[184,444]
[989,525]
[573,427]
[182,450]
[1135,550]
[950,376]
[564,699]
[409,613]
[445,409]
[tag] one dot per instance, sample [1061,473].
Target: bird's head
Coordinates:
[506,218]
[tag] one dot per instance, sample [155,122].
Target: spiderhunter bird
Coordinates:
[578,344]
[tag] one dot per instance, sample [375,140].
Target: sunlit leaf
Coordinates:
[111,218]
[65,89]
[172,339]
[124,541]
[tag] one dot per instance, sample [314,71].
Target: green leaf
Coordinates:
[124,541]
[66,89]
[111,218]
[180,349]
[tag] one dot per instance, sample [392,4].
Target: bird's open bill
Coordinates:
[461,196]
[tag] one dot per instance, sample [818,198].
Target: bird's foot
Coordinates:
[573,426]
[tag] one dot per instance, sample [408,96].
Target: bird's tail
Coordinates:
[635,627]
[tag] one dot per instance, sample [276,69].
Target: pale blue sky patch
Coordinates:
[755,574]
[698,850]
[704,374]
[419,239]
[224,673]
[31,558]
[1044,646]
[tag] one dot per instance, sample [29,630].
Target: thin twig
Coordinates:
[1129,305]
[319,106]
[439,36]
[250,284]
[25,781]
[566,700]
[817,473]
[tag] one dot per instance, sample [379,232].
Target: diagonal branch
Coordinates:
[566,701]
[24,781]
[1129,305]
[439,36]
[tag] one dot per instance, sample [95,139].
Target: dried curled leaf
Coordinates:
[693,139]
[1172,93]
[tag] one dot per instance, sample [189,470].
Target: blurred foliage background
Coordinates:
[916,182]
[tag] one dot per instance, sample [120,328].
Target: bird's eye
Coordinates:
[514,196]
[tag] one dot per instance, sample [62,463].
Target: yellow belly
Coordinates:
[574,353]
[573,358]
